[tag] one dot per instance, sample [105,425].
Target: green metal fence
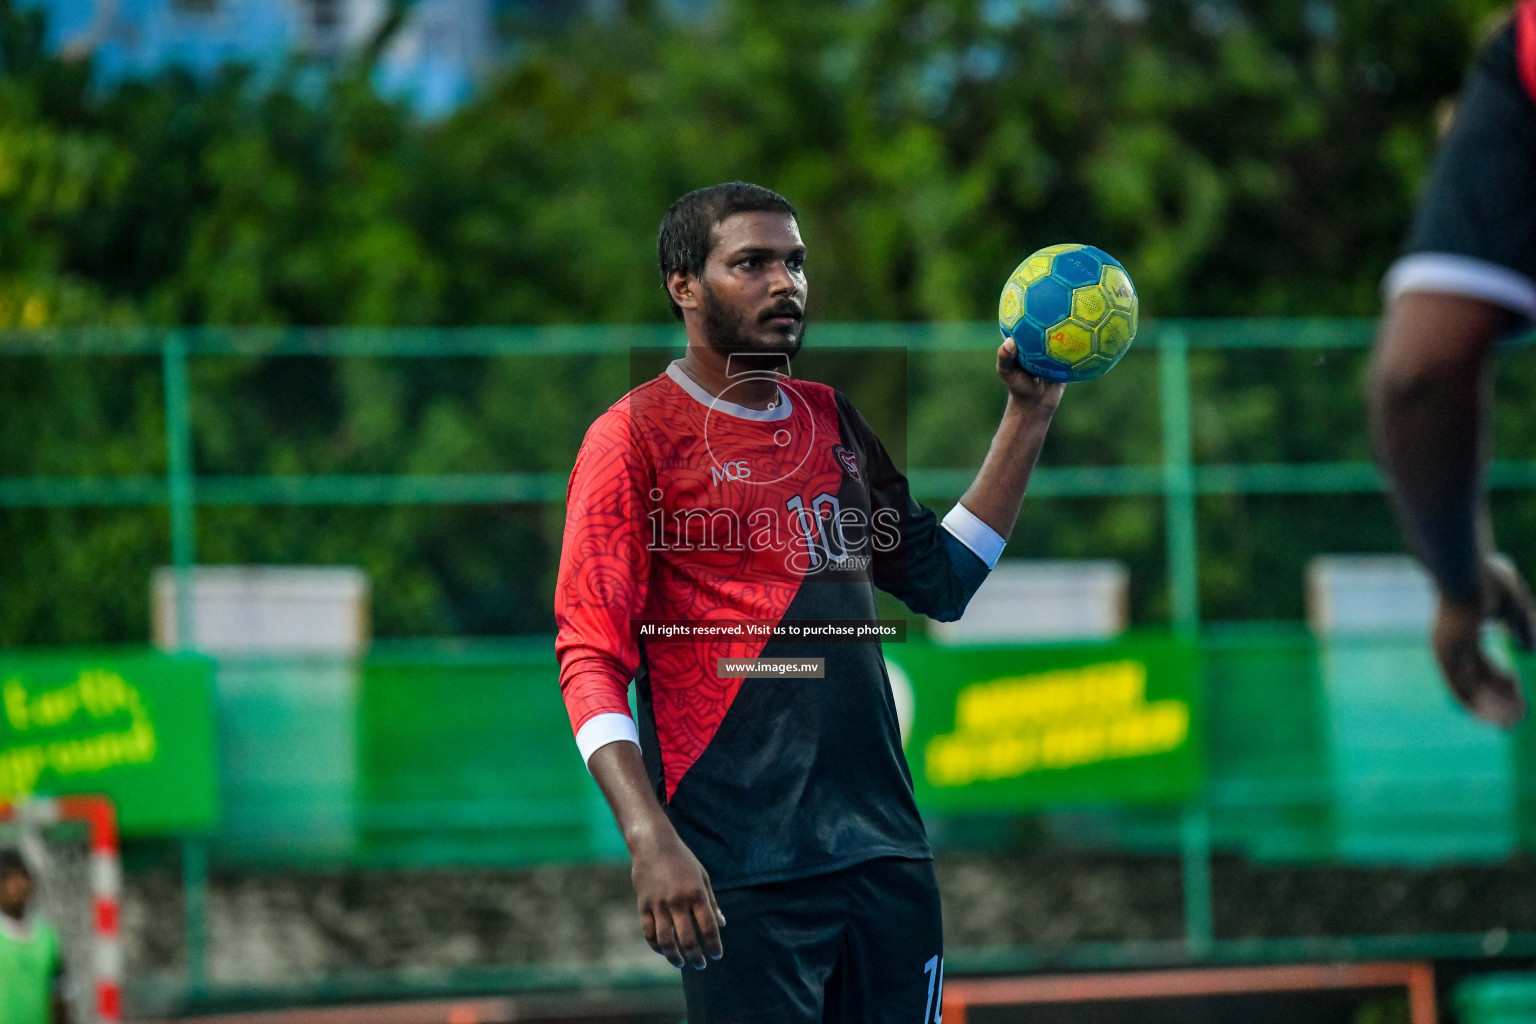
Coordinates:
[1178,481]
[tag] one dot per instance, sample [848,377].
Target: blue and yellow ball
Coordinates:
[1070,310]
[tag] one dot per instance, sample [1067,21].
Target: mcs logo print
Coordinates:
[737,470]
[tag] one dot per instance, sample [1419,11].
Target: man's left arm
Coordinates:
[935,568]
[997,493]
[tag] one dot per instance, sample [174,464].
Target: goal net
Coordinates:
[71,846]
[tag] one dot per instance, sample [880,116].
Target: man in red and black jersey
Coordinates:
[1467,278]
[725,493]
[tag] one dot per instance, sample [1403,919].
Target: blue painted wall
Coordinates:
[432,63]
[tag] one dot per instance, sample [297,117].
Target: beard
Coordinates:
[727,333]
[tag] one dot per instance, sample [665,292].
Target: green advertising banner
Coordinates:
[1016,728]
[137,727]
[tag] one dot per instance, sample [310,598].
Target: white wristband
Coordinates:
[601,730]
[974,534]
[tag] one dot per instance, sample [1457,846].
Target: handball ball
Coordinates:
[1070,310]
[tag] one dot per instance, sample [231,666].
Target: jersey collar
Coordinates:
[688,384]
[16,931]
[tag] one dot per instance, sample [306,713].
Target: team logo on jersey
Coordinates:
[846,457]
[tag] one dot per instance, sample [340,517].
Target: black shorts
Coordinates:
[864,945]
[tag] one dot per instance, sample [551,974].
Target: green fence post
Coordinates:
[194,880]
[1184,606]
[183,511]
[178,449]
[1199,912]
[1179,484]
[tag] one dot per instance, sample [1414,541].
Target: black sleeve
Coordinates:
[919,561]
[1480,204]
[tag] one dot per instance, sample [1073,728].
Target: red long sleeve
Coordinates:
[604,568]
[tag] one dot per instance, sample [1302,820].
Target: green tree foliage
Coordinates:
[1241,158]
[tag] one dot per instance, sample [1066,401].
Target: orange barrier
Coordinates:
[456,1011]
[1417,978]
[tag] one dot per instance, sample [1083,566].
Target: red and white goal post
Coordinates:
[98,883]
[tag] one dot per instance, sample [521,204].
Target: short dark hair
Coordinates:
[12,863]
[687,231]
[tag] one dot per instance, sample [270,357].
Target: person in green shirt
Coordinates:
[31,966]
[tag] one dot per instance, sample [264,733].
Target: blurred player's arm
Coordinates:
[1429,393]
[936,568]
[601,589]
[1467,276]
